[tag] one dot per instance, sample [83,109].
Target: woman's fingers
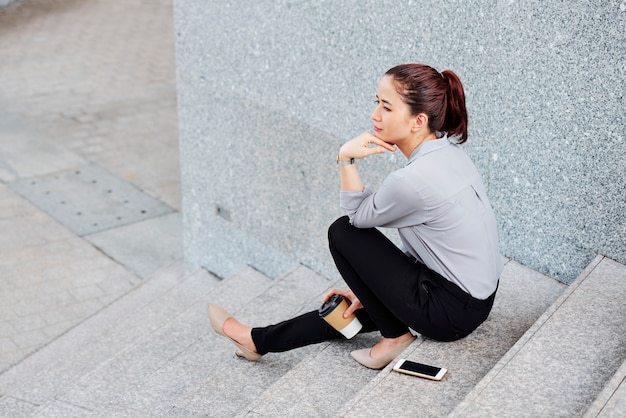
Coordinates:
[353,302]
[349,294]
[334,292]
[385,145]
[361,146]
[356,305]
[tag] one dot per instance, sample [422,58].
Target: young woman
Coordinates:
[442,283]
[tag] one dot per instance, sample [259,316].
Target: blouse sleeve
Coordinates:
[394,205]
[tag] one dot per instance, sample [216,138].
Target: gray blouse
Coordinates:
[440,207]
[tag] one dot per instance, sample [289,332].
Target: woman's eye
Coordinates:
[384,107]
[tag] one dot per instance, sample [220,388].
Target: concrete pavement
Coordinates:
[87,132]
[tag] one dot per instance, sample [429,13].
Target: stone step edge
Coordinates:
[599,406]
[521,343]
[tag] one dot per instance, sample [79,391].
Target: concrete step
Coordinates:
[48,374]
[39,377]
[145,377]
[563,362]
[611,402]
[523,296]
[153,353]
[316,385]
[234,383]
[322,382]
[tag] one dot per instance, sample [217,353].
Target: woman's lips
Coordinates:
[377,129]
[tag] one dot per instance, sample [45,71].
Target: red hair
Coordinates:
[440,96]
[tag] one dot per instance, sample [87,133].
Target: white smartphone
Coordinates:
[420,370]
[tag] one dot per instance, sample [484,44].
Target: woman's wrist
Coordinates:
[342,161]
[342,156]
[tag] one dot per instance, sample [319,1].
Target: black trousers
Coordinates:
[397,293]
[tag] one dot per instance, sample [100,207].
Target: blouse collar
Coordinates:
[429,146]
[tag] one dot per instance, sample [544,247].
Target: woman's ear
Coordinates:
[419,121]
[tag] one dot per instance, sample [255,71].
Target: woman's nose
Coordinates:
[376,114]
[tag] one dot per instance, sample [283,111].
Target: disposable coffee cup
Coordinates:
[332,312]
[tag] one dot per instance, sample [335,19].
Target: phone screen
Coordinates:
[420,368]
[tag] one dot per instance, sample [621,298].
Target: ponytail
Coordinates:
[439,96]
[455,122]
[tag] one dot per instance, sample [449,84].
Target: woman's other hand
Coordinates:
[363,146]
[353,302]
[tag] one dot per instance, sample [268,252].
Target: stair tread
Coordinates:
[234,383]
[134,379]
[152,352]
[301,392]
[51,371]
[49,363]
[522,297]
[319,384]
[566,360]
[612,400]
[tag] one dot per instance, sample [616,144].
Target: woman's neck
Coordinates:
[415,141]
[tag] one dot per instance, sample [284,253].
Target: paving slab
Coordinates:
[23,225]
[565,360]
[60,409]
[616,405]
[523,295]
[89,199]
[5,3]
[103,88]
[138,142]
[194,365]
[28,152]
[320,384]
[144,247]
[51,280]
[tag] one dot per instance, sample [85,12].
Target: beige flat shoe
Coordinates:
[217,316]
[363,356]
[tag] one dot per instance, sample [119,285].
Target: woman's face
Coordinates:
[392,117]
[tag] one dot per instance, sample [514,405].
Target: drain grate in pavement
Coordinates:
[89,199]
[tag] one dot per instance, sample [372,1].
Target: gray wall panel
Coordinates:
[269,90]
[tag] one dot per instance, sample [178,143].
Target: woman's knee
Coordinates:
[337,227]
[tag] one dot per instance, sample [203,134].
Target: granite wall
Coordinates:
[269,90]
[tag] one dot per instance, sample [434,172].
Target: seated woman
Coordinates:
[443,282]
